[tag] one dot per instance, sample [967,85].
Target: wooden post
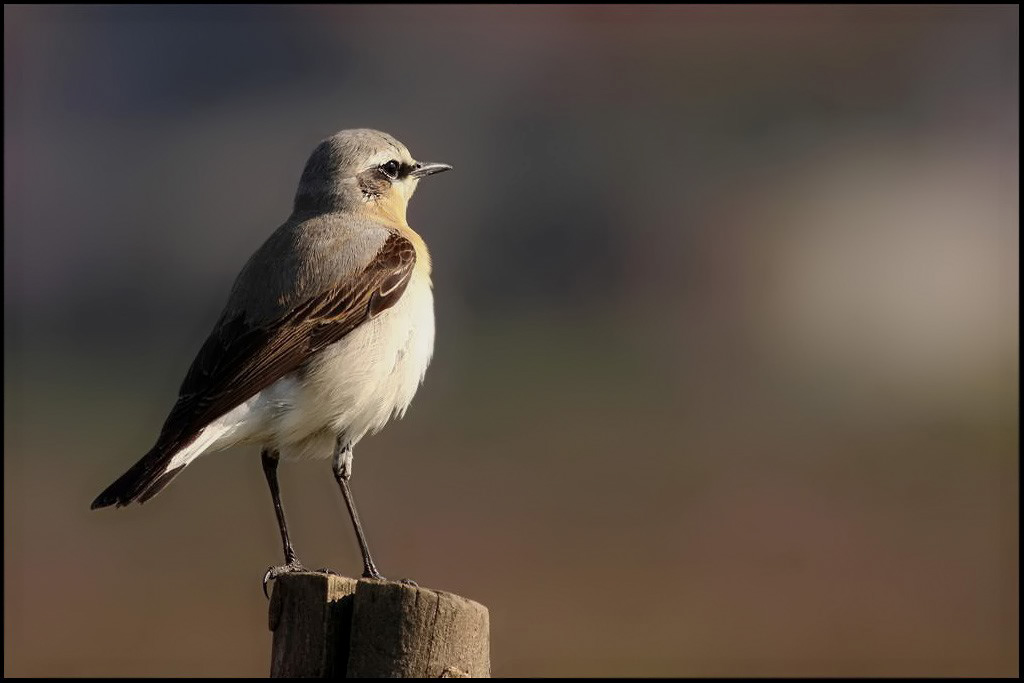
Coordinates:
[329,626]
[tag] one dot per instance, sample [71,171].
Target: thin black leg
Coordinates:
[270,459]
[342,467]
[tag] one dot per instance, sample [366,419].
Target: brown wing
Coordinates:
[240,358]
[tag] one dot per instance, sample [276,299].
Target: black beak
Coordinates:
[422,169]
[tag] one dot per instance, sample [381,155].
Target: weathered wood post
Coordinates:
[329,626]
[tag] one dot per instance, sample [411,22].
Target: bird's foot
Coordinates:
[274,572]
[370,570]
[377,576]
[325,570]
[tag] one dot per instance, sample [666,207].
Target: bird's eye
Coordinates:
[391,169]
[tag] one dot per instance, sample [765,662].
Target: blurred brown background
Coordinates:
[726,378]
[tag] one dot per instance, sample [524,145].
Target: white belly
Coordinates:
[370,376]
[352,388]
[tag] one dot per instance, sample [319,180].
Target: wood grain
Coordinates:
[328,626]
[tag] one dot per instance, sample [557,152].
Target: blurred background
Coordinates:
[726,378]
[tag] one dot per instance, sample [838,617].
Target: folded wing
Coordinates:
[242,357]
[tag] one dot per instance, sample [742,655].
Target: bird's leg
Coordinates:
[342,467]
[291,562]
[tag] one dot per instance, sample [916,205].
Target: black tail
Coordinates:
[142,481]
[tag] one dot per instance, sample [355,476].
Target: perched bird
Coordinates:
[326,335]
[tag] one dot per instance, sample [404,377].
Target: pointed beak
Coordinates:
[422,169]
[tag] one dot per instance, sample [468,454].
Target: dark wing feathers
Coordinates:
[241,358]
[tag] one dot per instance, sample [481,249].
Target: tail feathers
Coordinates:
[157,469]
[142,481]
[158,485]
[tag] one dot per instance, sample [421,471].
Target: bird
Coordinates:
[326,335]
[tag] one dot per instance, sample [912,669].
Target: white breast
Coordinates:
[356,385]
[353,387]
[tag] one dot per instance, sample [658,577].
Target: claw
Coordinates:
[409,582]
[274,572]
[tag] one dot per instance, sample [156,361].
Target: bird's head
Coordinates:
[361,169]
